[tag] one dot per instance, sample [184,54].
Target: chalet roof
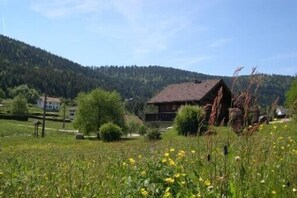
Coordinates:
[185,92]
[50,99]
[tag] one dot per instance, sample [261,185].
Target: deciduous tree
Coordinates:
[291,97]
[97,108]
[19,105]
[31,95]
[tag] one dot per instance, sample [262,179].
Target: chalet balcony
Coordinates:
[164,116]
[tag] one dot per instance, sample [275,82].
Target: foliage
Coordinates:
[31,95]
[291,96]
[19,62]
[190,120]
[97,108]
[2,94]
[153,134]
[134,126]
[110,132]
[19,105]
[64,110]
[261,165]
[162,177]
[142,129]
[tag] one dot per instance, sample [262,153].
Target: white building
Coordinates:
[52,104]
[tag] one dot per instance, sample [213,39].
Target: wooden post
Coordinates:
[43,120]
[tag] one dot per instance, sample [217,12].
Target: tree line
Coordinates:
[24,64]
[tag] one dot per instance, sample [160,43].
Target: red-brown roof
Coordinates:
[50,99]
[184,92]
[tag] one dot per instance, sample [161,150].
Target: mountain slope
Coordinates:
[24,64]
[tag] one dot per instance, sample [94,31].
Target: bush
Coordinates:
[142,130]
[190,120]
[132,127]
[19,105]
[110,132]
[154,134]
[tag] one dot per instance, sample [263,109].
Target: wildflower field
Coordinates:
[260,165]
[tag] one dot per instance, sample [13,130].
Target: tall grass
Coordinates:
[263,165]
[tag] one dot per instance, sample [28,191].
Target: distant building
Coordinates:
[201,93]
[281,112]
[52,104]
[72,111]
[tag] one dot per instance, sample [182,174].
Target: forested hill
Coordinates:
[24,64]
[147,81]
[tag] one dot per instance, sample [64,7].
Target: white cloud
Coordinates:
[146,29]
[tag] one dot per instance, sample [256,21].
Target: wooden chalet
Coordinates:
[201,93]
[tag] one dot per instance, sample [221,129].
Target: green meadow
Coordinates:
[224,165]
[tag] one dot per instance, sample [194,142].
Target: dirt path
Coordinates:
[53,129]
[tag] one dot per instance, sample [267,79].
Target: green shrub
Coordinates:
[142,130]
[154,134]
[190,120]
[132,126]
[110,132]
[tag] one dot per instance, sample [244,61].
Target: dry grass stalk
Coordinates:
[273,108]
[235,76]
[215,109]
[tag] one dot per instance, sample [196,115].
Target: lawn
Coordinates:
[12,127]
[261,165]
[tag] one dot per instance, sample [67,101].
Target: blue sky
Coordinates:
[206,36]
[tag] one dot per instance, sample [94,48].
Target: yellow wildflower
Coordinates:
[143,192]
[166,194]
[143,173]
[132,161]
[193,151]
[207,182]
[172,150]
[169,180]
[294,190]
[273,192]
[166,154]
[163,160]
[171,162]
[181,153]
[177,175]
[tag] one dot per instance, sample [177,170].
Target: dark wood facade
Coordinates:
[167,107]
